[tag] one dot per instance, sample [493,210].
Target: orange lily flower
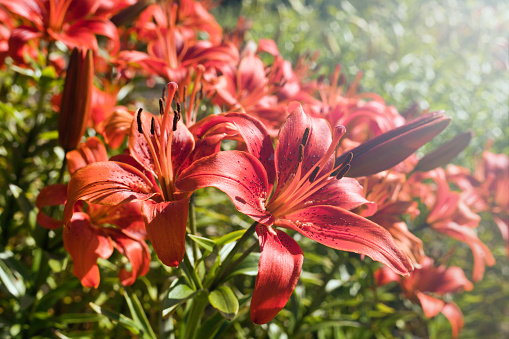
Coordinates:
[87,239]
[428,281]
[159,146]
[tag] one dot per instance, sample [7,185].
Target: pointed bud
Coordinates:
[444,153]
[128,15]
[76,102]
[392,147]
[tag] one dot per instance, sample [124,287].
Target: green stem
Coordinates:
[226,263]
[192,227]
[192,272]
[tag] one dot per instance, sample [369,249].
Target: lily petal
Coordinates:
[238,174]
[52,195]
[107,183]
[278,273]
[85,246]
[343,230]
[166,228]
[138,254]
[90,151]
[255,135]
[346,193]
[481,252]
[453,313]
[290,137]
[430,305]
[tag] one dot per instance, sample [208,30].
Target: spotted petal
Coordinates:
[166,227]
[343,230]
[278,272]
[85,246]
[107,183]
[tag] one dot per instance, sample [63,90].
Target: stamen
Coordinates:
[176,117]
[161,106]
[138,120]
[152,126]
[313,174]
[305,137]
[343,171]
[301,153]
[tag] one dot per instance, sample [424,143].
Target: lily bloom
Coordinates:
[385,190]
[449,214]
[73,22]
[87,239]
[493,173]
[310,197]
[426,284]
[159,146]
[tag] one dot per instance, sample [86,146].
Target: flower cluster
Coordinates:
[313,157]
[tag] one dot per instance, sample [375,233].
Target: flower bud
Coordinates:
[76,101]
[390,148]
[445,153]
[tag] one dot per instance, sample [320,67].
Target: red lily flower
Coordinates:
[171,53]
[449,214]
[493,173]
[260,91]
[159,146]
[425,282]
[73,22]
[309,198]
[87,239]
[385,190]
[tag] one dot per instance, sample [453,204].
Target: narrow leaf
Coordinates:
[138,313]
[206,244]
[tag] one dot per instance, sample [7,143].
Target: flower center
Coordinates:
[159,139]
[303,185]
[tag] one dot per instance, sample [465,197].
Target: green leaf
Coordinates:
[176,297]
[249,266]
[138,313]
[24,205]
[225,301]
[230,237]
[52,297]
[77,318]
[11,281]
[126,322]
[211,326]
[206,244]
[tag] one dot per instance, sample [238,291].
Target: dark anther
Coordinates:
[343,171]
[161,106]
[348,159]
[178,108]
[138,119]
[176,116]
[313,174]
[305,137]
[301,153]
[152,126]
